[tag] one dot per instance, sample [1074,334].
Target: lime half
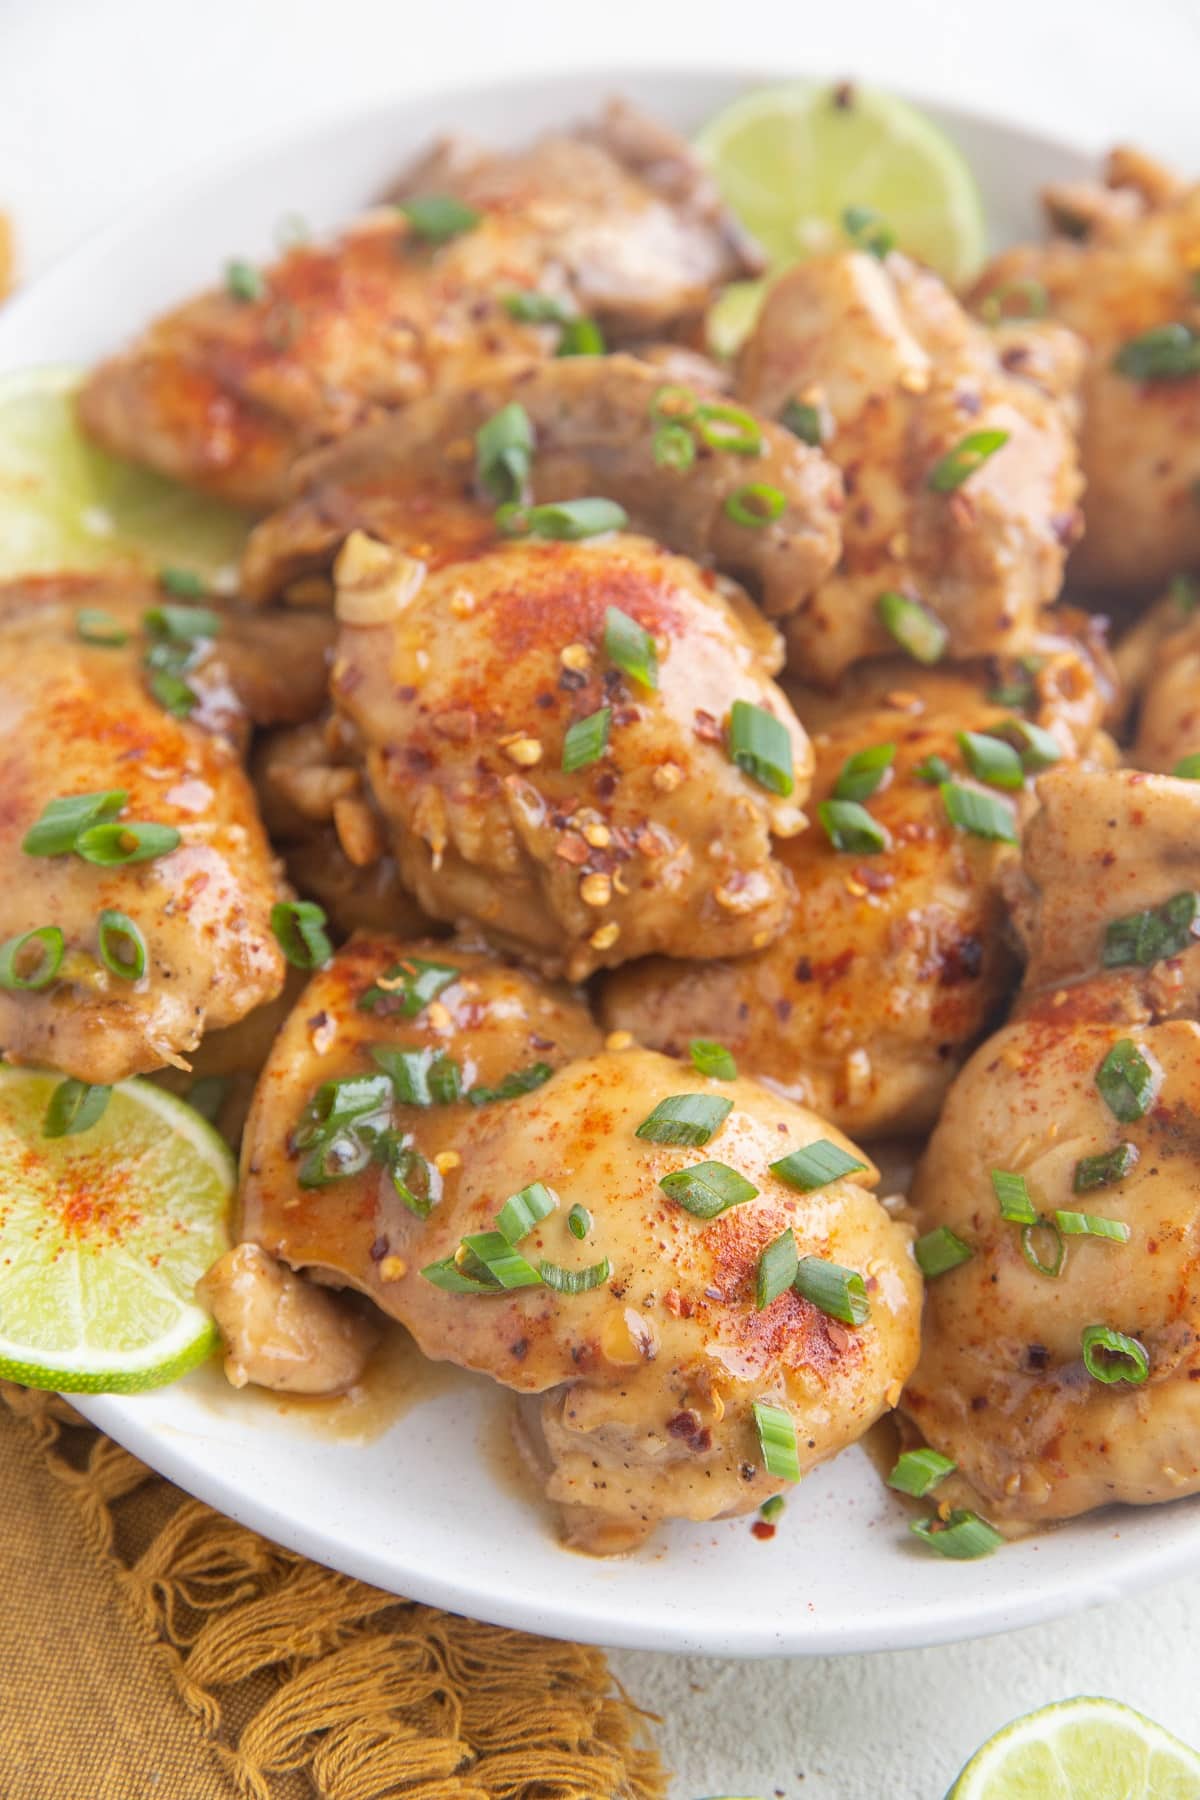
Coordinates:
[1081,1750]
[66,504]
[790,160]
[103,1236]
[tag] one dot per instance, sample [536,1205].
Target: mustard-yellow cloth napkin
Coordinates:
[152,1650]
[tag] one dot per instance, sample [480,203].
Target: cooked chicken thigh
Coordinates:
[1159,663]
[1091,1095]
[897,383]
[469,688]
[890,964]
[78,720]
[617,222]
[597,425]
[280,1331]
[650,1371]
[1121,274]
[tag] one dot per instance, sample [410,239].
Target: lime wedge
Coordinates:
[65,504]
[790,160]
[103,1236]
[1081,1750]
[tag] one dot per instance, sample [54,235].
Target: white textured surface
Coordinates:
[98,101]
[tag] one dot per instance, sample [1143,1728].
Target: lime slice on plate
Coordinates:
[66,504]
[103,1236]
[790,160]
[1081,1750]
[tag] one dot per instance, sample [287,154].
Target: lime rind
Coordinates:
[103,1237]
[1088,1748]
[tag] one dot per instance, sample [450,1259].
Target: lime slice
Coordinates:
[1081,1750]
[103,1236]
[790,160]
[65,504]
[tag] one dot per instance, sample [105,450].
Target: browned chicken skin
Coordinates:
[896,377]
[647,1377]
[462,695]
[1123,265]
[890,965]
[1002,1385]
[617,222]
[596,421]
[78,719]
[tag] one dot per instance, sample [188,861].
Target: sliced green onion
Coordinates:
[712,1059]
[579,1222]
[122,946]
[567,521]
[674,448]
[673,404]
[1128,1081]
[690,1119]
[334,1158]
[438,217]
[95,626]
[581,337]
[185,584]
[185,624]
[504,447]
[408,987]
[1079,1224]
[850,827]
[815,1166]
[707,1189]
[1183,591]
[521,1212]
[75,1106]
[1166,353]
[116,845]
[838,1292]
[777,1267]
[574,1281]
[504,1264]
[62,821]
[939,1251]
[420,1077]
[759,744]
[755,505]
[630,647]
[934,770]
[861,774]
[415,1180]
[532,308]
[1143,938]
[1188,767]
[963,1535]
[337,1104]
[728,428]
[959,464]
[586,741]
[917,631]
[521,1081]
[15,958]
[777,1441]
[451,1279]
[1037,748]
[243,281]
[1032,301]
[1105,1169]
[803,421]
[1110,1356]
[1051,1265]
[918,1472]
[868,230]
[991,760]
[173,693]
[299,927]
[983,815]
[1012,1193]
[772,1509]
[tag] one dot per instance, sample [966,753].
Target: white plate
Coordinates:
[424,1507]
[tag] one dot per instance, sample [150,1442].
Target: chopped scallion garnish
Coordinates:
[504,446]
[862,774]
[1110,1356]
[1012,1195]
[914,627]
[777,1441]
[185,584]
[983,815]
[243,281]
[868,230]
[690,1119]
[122,946]
[803,421]
[712,1059]
[423,1077]
[567,521]
[55,833]
[674,448]
[506,1266]
[839,1293]
[520,1081]
[521,1212]
[1128,1081]
[575,1281]
[777,1267]
[1037,747]
[760,745]
[581,337]
[579,1222]
[31,960]
[408,987]
[918,1472]
[816,1166]
[1188,767]
[1022,299]
[112,846]
[1165,353]
[1105,1169]
[729,428]
[1143,938]
[960,463]
[586,741]
[991,760]
[184,624]
[939,1251]
[1043,1234]
[707,1189]
[962,1535]
[75,1106]
[452,1280]
[531,308]
[756,505]
[934,770]
[1080,1224]
[95,626]
[850,827]
[630,648]
[438,217]
[299,927]
[772,1509]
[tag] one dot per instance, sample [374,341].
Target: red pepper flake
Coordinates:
[762,1530]
[707,729]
